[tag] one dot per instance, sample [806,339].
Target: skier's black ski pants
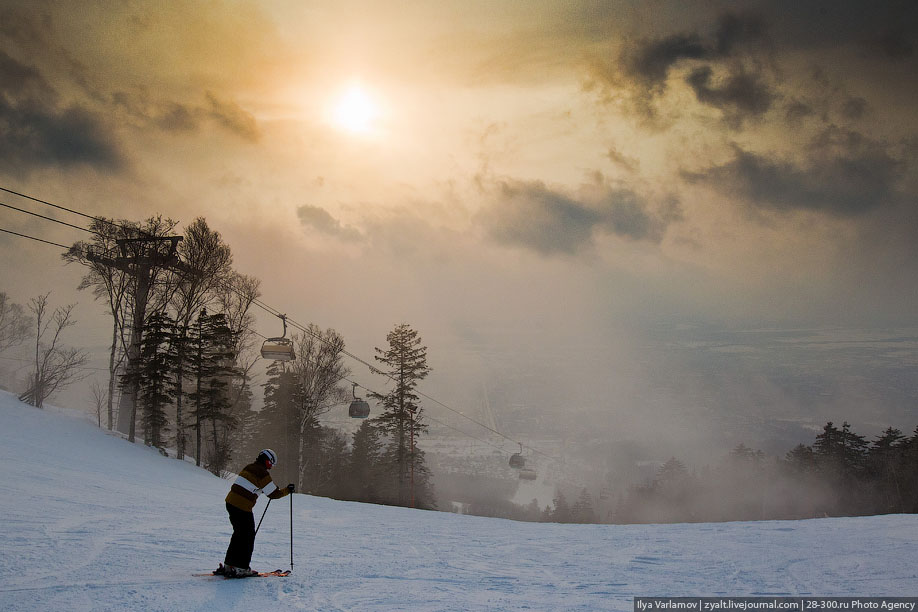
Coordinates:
[239,553]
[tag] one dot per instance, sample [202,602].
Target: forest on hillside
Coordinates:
[840,474]
[181,357]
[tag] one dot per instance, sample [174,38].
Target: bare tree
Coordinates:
[99,397]
[15,324]
[108,282]
[318,371]
[238,293]
[56,366]
[236,297]
[207,262]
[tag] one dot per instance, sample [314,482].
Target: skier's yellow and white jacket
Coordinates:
[252,480]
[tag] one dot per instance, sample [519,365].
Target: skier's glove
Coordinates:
[291,487]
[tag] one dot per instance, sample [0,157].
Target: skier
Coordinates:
[252,480]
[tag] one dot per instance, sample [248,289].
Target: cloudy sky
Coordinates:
[620,214]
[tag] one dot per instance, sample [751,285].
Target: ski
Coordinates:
[276,572]
[279,573]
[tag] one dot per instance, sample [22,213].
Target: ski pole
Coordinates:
[291,533]
[262,516]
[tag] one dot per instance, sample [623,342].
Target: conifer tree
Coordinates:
[803,482]
[854,449]
[673,471]
[211,360]
[884,462]
[532,512]
[561,513]
[801,459]
[910,473]
[405,362]
[840,456]
[276,427]
[155,371]
[363,469]
[827,450]
[331,467]
[582,511]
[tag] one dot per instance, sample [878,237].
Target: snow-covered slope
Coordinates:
[91,522]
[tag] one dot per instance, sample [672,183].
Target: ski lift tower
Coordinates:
[142,258]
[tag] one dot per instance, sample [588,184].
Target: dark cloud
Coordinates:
[739,95]
[854,108]
[846,174]
[895,44]
[320,220]
[620,159]
[734,30]
[177,117]
[59,111]
[531,215]
[139,110]
[650,63]
[19,81]
[644,66]
[887,28]
[626,214]
[36,132]
[796,111]
[232,117]
[145,110]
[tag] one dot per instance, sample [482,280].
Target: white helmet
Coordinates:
[268,455]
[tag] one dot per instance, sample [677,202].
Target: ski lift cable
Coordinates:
[32,362]
[534,450]
[427,416]
[295,324]
[110,222]
[268,309]
[376,370]
[40,201]
[33,238]
[34,214]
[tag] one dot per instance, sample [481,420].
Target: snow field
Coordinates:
[91,522]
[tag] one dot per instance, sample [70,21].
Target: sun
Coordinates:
[355,110]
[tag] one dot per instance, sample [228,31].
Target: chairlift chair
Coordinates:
[278,349]
[516,460]
[359,409]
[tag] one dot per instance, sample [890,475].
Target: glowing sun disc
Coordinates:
[354,111]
